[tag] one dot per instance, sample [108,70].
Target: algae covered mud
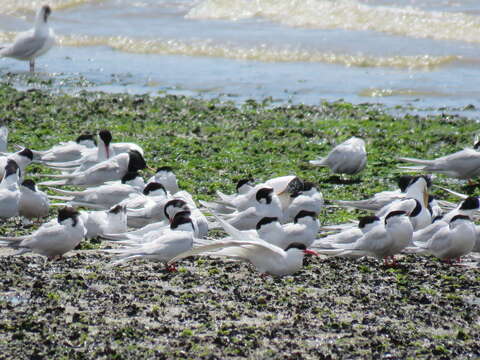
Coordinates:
[422,52]
[334,308]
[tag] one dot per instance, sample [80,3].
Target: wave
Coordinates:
[348,15]
[263,53]
[29,6]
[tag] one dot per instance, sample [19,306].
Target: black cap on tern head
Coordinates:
[403,182]
[26,153]
[46,12]
[304,213]
[265,221]
[117,209]
[470,203]
[11,167]
[85,137]
[436,218]
[298,246]
[180,218]
[242,182]
[365,220]
[460,217]
[427,179]
[136,162]
[394,213]
[132,175]
[68,212]
[178,203]
[106,136]
[152,186]
[29,183]
[264,193]
[306,186]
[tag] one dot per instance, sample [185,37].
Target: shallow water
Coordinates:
[419,52]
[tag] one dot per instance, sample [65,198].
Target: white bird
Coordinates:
[52,239]
[266,204]
[348,235]
[167,178]
[307,199]
[104,196]
[464,164]
[164,248]
[112,169]
[9,191]
[67,151]
[110,221]
[243,187]
[3,138]
[349,157]
[22,158]
[382,241]
[380,199]
[425,234]
[90,158]
[33,203]
[265,257]
[467,207]
[451,242]
[33,43]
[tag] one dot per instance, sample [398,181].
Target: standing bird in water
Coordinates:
[33,43]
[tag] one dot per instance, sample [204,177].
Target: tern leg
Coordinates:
[171,268]
[32,65]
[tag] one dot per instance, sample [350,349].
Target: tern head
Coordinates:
[393,215]
[300,248]
[11,168]
[404,181]
[87,140]
[307,187]
[304,214]
[477,143]
[244,185]
[26,153]
[266,221]
[154,189]
[295,185]
[173,207]
[105,136]
[44,12]
[365,222]
[30,184]
[182,222]
[458,219]
[136,161]
[68,213]
[117,209]
[264,195]
[470,203]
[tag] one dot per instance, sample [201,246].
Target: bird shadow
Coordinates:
[337,180]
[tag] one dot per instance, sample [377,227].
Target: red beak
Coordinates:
[311,252]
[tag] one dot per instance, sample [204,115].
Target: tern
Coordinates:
[114,168]
[451,242]
[464,164]
[307,199]
[467,207]
[98,223]
[167,178]
[164,248]
[22,158]
[265,257]
[349,157]
[9,191]
[383,241]
[52,239]
[33,203]
[33,43]
[67,151]
[104,196]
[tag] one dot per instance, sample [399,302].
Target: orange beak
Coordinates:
[311,252]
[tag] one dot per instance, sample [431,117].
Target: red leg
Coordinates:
[171,268]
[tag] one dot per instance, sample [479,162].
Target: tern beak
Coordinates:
[311,252]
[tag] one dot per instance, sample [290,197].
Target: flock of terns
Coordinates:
[271,225]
